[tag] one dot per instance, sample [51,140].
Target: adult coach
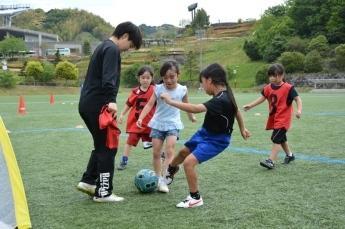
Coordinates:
[99,89]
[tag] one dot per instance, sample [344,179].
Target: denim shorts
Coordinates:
[163,134]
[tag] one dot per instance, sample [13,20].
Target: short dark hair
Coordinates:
[133,31]
[275,69]
[168,65]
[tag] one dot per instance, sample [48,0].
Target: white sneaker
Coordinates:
[147,145]
[189,202]
[162,186]
[86,188]
[109,199]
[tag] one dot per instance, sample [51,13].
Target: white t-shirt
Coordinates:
[167,117]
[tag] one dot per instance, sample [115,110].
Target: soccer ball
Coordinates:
[146,181]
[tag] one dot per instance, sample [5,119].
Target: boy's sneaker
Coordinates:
[147,145]
[288,159]
[169,175]
[122,166]
[162,186]
[189,202]
[86,188]
[109,199]
[267,164]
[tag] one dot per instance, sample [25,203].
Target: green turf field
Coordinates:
[309,193]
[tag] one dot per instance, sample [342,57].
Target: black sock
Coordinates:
[195,195]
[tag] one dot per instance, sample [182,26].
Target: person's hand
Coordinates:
[166,97]
[298,114]
[246,107]
[192,118]
[120,118]
[140,123]
[245,134]
[112,107]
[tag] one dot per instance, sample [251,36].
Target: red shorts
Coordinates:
[134,138]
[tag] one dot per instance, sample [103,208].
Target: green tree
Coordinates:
[191,68]
[12,45]
[86,48]
[66,70]
[297,44]
[33,70]
[275,49]
[129,75]
[201,20]
[7,79]
[251,48]
[32,19]
[48,71]
[320,44]
[336,24]
[292,61]
[313,62]
[340,56]
[261,75]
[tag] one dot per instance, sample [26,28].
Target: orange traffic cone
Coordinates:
[52,99]
[21,106]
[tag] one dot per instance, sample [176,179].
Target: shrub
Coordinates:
[319,43]
[34,69]
[251,48]
[297,44]
[313,62]
[261,75]
[340,57]
[48,71]
[275,49]
[66,70]
[7,79]
[129,75]
[292,61]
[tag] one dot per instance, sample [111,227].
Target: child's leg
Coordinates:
[127,150]
[179,158]
[157,147]
[275,150]
[189,168]
[169,150]
[286,148]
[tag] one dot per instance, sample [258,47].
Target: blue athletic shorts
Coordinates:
[163,134]
[205,145]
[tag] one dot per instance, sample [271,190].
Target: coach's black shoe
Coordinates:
[169,175]
[288,159]
[267,164]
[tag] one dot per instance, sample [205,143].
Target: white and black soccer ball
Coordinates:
[146,181]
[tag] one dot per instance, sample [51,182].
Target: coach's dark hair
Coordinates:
[218,76]
[276,69]
[146,68]
[168,65]
[133,31]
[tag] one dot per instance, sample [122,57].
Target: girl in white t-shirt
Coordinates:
[166,122]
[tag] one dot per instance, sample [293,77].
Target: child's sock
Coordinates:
[195,195]
[289,154]
[124,160]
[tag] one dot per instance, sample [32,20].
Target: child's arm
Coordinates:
[188,107]
[244,132]
[298,101]
[254,103]
[124,112]
[191,116]
[146,110]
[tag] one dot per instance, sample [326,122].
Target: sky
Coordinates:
[158,12]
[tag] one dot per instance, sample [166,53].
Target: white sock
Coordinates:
[289,154]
